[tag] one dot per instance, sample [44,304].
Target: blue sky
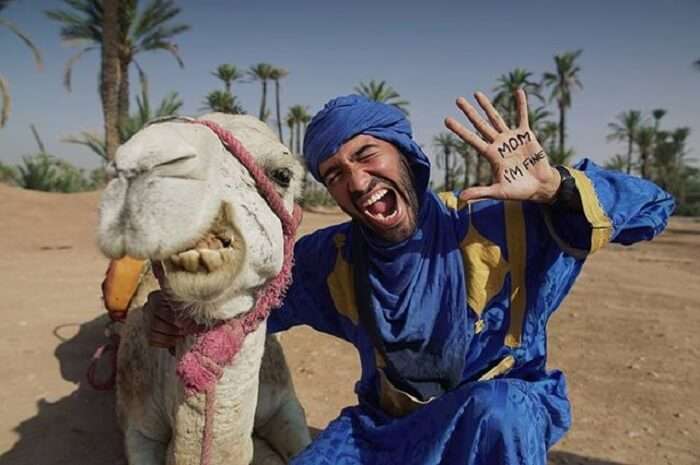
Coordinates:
[637,55]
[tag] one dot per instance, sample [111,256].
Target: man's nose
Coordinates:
[359,181]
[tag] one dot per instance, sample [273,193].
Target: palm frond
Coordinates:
[91,141]
[167,46]
[5,101]
[68,72]
[25,39]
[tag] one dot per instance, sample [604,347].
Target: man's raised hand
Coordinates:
[520,167]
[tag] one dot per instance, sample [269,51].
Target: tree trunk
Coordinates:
[298,137]
[262,101]
[477,177]
[123,92]
[465,183]
[291,138]
[446,187]
[111,76]
[277,106]
[644,155]
[629,154]
[562,127]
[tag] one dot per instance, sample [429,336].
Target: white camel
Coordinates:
[180,198]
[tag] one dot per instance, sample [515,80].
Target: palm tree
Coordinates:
[563,83]
[696,63]
[5,99]
[140,31]
[277,74]
[228,74]
[262,72]
[446,142]
[382,92]
[505,92]
[111,73]
[467,152]
[169,106]
[547,135]
[625,129]
[558,157]
[299,117]
[223,102]
[645,144]
[616,163]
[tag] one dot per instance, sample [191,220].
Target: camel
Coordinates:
[180,199]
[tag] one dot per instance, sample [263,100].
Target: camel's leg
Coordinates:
[286,430]
[142,450]
[263,454]
[279,419]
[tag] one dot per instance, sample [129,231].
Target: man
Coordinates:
[447,298]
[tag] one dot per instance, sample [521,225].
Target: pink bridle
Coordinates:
[201,367]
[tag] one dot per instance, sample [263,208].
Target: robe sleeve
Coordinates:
[307,301]
[616,208]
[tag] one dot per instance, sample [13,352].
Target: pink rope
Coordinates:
[107,384]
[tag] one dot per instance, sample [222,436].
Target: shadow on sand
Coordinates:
[82,427]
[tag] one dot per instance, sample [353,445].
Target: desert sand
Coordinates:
[627,338]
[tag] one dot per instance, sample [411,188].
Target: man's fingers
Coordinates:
[521,106]
[481,192]
[466,135]
[166,327]
[495,118]
[482,126]
[164,341]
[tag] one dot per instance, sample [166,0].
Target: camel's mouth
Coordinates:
[219,247]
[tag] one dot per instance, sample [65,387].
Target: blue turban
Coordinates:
[346,117]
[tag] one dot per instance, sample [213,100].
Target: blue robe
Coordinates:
[520,259]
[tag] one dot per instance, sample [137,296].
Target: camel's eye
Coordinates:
[281,176]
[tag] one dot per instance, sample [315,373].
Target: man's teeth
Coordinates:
[208,253]
[376,196]
[381,217]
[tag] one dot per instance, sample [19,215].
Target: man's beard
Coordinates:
[404,188]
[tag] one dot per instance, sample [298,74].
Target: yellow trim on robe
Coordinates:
[501,368]
[453,201]
[601,226]
[341,284]
[485,269]
[395,401]
[449,199]
[517,240]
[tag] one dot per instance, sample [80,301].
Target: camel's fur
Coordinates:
[175,185]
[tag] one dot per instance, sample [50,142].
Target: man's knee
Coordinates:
[502,409]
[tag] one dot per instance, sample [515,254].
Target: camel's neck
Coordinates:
[233,412]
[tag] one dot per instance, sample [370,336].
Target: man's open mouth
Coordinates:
[382,208]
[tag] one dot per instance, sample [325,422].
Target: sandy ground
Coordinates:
[627,337]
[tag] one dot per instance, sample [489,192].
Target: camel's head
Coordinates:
[180,197]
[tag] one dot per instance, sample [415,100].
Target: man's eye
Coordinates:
[366,156]
[331,179]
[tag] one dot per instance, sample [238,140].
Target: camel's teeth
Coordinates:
[214,243]
[211,259]
[190,260]
[227,255]
[176,260]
